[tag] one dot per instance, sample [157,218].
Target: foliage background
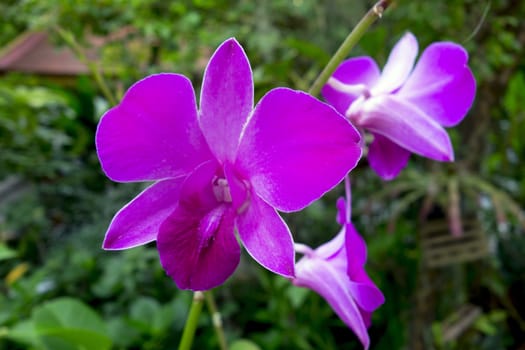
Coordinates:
[59,290]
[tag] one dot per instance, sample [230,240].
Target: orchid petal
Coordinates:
[295,148]
[367,317]
[239,188]
[442,84]
[336,271]
[364,291]
[332,248]
[361,287]
[408,126]
[226,99]
[266,237]
[196,243]
[139,221]
[153,133]
[341,216]
[197,190]
[399,64]
[367,295]
[386,157]
[355,248]
[355,71]
[199,250]
[322,278]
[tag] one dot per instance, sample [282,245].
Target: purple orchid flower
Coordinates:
[335,270]
[405,107]
[225,166]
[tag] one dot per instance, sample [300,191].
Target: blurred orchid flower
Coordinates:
[405,107]
[225,166]
[335,270]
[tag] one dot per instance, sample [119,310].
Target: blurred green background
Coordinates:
[446,241]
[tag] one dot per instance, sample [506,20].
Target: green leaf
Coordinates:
[244,344]
[6,252]
[23,332]
[73,339]
[163,319]
[143,312]
[68,324]
[484,325]
[307,49]
[144,309]
[437,332]
[122,333]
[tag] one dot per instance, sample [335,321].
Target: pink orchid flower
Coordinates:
[222,167]
[405,107]
[335,270]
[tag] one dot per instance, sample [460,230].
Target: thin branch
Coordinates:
[351,40]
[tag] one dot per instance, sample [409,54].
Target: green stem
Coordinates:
[216,320]
[92,66]
[191,323]
[351,40]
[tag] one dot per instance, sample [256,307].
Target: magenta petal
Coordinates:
[441,84]
[367,295]
[367,317]
[239,189]
[139,221]
[354,71]
[266,237]
[226,99]
[355,248]
[153,133]
[199,250]
[332,248]
[197,191]
[408,126]
[399,64]
[196,243]
[342,211]
[295,148]
[386,157]
[320,276]
[364,291]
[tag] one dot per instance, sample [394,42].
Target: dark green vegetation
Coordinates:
[60,290]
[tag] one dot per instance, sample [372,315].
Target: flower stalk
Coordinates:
[191,323]
[348,44]
[216,320]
